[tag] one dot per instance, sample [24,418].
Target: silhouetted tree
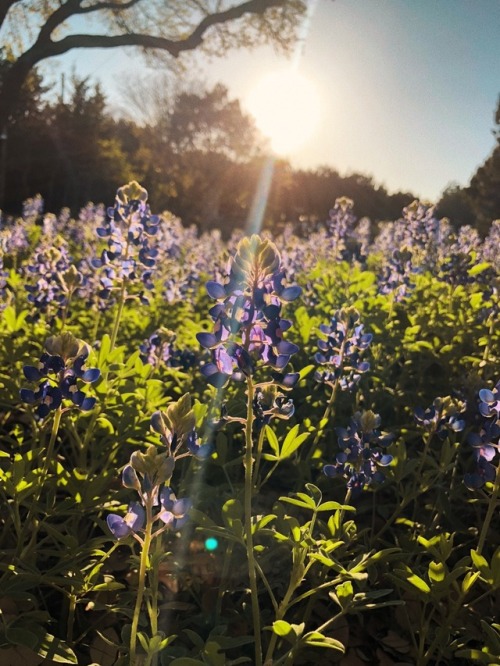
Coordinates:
[456,205]
[484,188]
[37,30]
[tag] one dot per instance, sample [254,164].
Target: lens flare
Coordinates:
[285,106]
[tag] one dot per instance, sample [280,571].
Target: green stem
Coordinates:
[223,580]
[296,578]
[146,545]
[260,444]
[118,316]
[248,522]
[491,330]
[153,573]
[324,419]
[491,509]
[71,618]
[43,477]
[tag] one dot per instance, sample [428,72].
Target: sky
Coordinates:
[407,88]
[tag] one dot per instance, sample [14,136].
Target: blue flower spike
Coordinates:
[60,371]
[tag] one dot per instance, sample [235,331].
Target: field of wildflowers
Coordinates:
[270,450]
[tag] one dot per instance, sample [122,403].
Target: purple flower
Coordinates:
[47,287]
[396,276]
[60,370]
[248,328]
[269,403]
[130,255]
[341,354]
[442,417]
[173,511]
[133,521]
[361,452]
[485,443]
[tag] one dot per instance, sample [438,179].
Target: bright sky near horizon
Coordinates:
[407,88]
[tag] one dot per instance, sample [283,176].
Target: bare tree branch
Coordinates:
[43,48]
[118,7]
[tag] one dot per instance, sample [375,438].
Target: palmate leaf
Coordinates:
[292,442]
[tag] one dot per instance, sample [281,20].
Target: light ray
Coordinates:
[253,226]
[261,196]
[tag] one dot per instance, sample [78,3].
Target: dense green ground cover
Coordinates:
[248,472]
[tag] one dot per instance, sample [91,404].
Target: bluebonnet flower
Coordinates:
[422,233]
[489,402]
[269,403]
[159,350]
[33,208]
[445,415]
[174,512]
[60,371]
[361,236]
[129,257]
[491,244]
[3,285]
[361,452]
[55,280]
[248,330]
[133,521]
[340,227]
[455,269]
[149,474]
[14,239]
[341,354]
[396,275]
[486,442]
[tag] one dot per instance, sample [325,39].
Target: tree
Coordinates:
[456,205]
[484,188]
[35,30]
[201,149]
[69,151]
[27,133]
[86,158]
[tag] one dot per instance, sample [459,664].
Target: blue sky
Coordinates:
[408,88]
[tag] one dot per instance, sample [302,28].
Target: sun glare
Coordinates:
[285,106]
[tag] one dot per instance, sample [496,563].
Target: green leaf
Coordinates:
[305,371]
[493,636]
[315,492]
[344,593]
[292,442]
[481,563]
[334,506]
[469,580]
[437,572]
[478,656]
[273,440]
[55,649]
[305,505]
[282,628]
[419,583]
[479,268]
[317,639]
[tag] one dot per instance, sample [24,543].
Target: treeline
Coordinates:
[198,154]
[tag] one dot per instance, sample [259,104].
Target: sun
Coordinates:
[285,106]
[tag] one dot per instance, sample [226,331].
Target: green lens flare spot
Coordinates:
[211,543]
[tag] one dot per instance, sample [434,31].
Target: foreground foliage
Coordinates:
[269,451]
